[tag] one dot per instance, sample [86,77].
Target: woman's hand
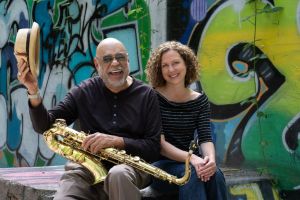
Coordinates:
[205,167]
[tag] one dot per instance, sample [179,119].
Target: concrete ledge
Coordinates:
[40,183]
[29,182]
[242,176]
[234,178]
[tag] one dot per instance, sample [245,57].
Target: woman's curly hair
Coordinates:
[153,67]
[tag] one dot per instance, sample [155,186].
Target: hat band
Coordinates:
[27,45]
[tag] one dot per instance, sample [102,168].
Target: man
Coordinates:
[118,110]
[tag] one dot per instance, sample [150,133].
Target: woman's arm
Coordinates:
[170,151]
[208,149]
[209,167]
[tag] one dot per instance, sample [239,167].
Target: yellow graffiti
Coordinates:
[275,194]
[251,191]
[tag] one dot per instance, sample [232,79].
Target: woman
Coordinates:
[171,68]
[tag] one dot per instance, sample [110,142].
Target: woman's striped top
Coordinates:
[180,120]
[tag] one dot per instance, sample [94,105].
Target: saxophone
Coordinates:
[67,142]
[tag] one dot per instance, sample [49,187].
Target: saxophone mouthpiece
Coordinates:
[193,146]
[194,143]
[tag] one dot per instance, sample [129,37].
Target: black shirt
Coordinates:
[132,114]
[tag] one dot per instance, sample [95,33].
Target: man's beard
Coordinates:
[114,84]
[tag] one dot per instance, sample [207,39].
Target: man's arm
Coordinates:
[42,119]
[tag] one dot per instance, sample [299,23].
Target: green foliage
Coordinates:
[271,9]
[258,57]
[135,12]
[261,114]
[267,9]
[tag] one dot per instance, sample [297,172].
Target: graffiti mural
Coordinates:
[257,191]
[70,32]
[255,109]
[255,114]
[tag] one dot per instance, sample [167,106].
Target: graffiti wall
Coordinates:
[248,51]
[257,191]
[70,32]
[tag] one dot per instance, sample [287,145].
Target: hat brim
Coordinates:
[34,49]
[27,47]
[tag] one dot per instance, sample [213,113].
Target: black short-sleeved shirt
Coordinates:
[132,114]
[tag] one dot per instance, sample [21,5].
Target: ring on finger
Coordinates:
[19,73]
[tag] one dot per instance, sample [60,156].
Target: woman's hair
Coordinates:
[153,67]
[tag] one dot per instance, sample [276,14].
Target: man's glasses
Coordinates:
[120,57]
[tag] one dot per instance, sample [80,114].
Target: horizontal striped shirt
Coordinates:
[181,120]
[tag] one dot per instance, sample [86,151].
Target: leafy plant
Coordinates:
[267,9]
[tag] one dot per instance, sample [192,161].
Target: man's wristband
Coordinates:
[33,96]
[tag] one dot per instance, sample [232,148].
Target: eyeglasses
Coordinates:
[120,57]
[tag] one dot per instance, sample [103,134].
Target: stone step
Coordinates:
[40,183]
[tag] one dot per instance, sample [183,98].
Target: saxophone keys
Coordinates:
[79,157]
[67,151]
[122,152]
[136,158]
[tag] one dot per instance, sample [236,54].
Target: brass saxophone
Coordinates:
[67,142]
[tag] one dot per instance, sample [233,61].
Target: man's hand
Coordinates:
[97,141]
[26,77]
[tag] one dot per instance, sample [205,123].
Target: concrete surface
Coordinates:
[32,183]
[40,183]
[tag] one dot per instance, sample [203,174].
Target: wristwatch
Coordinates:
[33,96]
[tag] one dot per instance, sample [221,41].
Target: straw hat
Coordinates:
[27,46]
